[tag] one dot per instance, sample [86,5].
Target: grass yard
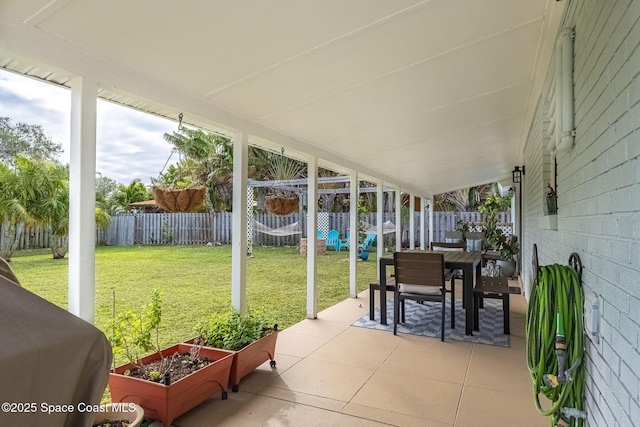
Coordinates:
[194,281]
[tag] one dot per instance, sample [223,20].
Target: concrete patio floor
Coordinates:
[332,374]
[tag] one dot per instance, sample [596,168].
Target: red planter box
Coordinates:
[252,356]
[164,403]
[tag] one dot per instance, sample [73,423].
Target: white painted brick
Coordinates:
[616,407]
[610,313]
[625,229]
[618,153]
[617,108]
[605,405]
[625,126]
[634,309]
[621,251]
[611,360]
[634,256]
[630,280]
[634,411]
[626,352]
[621,393]
[629,378]
[624,174]
[629,329]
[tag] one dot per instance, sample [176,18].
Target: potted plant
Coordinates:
[128,414]
[249,337]
[494,204]
[508,249]
[283,201]
[552,200]
[168,382]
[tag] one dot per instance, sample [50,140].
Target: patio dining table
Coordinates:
[468,262]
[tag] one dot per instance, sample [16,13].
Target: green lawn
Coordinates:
[194,281]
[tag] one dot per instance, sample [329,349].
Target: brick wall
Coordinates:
[598,198]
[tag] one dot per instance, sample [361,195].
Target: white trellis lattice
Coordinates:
[250,220]
[323,223]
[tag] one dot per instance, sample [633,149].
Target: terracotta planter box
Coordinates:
[249,358]
[164,403]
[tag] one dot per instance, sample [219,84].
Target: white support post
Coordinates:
[239,223]
[430,221]
[379,221]
[422,206]
[312,227]
[412,221]
[398,219]
[82,198]
[353,233]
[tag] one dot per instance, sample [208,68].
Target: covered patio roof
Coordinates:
[426,95]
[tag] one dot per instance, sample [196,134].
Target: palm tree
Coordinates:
[208,160]
[13,213]
[136,191]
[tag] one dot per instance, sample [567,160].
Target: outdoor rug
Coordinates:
[424,320]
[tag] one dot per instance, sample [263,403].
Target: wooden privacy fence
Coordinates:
[203,228]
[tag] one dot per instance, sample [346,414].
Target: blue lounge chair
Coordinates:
[345,243]
[319,234]
[368,241]
[333,240]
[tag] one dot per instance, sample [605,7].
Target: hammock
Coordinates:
[287,230]
[387,227]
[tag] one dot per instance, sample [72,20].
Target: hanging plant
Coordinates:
[179,188]
[279,200]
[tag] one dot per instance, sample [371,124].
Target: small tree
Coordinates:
[494,204]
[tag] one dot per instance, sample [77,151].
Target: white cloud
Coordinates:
[129,143]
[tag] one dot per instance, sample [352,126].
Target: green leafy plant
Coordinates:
[133,334]
[232,331]
[463,227]
[494,204]
[507,249]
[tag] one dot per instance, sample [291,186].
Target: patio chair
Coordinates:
[453,236]
[319,234]
[450,275]
[492,287]
[474,241]
[419,277]
[345,243]
[368,242]
[333,240]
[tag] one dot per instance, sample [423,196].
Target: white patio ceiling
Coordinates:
[430,95]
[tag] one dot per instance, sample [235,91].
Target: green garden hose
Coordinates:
[555,331]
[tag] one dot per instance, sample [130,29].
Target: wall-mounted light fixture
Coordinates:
[516,174]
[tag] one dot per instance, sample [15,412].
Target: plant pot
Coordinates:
[164,403]
[281,205]
[507,268]
[130,412]
[247,359]
[179,200]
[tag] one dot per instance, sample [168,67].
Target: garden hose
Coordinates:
[555,339]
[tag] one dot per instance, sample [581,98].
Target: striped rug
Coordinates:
[424,320]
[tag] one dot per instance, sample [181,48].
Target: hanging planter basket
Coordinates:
[179,200]
[282,205]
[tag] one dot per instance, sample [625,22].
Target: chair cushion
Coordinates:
[452,240]
[440,248]
[474,244]
[419,289]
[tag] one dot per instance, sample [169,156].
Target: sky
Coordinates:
[129,143]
